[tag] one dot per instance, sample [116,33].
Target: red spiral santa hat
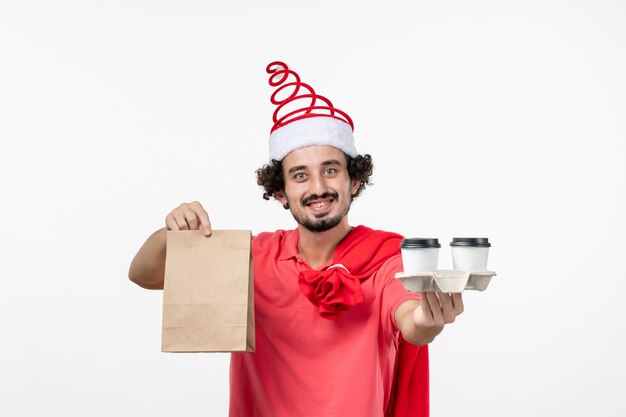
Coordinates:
[304,118]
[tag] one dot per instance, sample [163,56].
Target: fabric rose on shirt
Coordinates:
[333,290]
[338,288]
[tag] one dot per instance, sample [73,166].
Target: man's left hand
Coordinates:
[420,321]
[437,309]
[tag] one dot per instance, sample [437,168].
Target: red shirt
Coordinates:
[306,365]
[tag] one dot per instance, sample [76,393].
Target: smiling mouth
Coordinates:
[320,205]
[319,202]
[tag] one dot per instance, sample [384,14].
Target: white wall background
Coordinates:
[495,118]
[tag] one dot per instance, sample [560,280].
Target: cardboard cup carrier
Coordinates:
[469,257]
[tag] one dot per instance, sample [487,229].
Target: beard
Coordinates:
[321,225]
[321,222]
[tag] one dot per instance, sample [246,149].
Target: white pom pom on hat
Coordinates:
[304,118]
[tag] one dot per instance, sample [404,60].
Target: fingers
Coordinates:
[441,308]
[204,221]
[425,306]
[447,310]
[435,307]
[189,216]
[457,302]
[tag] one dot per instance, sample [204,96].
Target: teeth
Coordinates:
[319,205]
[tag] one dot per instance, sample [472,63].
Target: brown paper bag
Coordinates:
[208,296]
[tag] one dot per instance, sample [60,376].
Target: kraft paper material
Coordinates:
[208,294]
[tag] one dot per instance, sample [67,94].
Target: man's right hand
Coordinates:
[147,268]
[189,216]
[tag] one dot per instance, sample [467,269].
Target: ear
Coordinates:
[355,186]
[280,196]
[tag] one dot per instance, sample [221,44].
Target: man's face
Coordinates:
[318,188]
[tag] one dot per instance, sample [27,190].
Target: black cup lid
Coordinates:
[420,242]
[476,242]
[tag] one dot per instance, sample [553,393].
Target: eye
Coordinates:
[330,171]
[300,176]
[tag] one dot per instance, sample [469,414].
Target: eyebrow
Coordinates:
[331,162]
[296,168]
[324,163]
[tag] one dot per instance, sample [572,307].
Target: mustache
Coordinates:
[314,197]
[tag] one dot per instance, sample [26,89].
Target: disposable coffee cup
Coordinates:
[420,254]
[470,254]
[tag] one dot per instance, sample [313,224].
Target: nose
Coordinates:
[318,185]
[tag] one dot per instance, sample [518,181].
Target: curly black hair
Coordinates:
[270,176]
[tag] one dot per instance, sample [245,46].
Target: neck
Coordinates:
[318,248]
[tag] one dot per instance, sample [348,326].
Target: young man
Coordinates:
[331,319]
